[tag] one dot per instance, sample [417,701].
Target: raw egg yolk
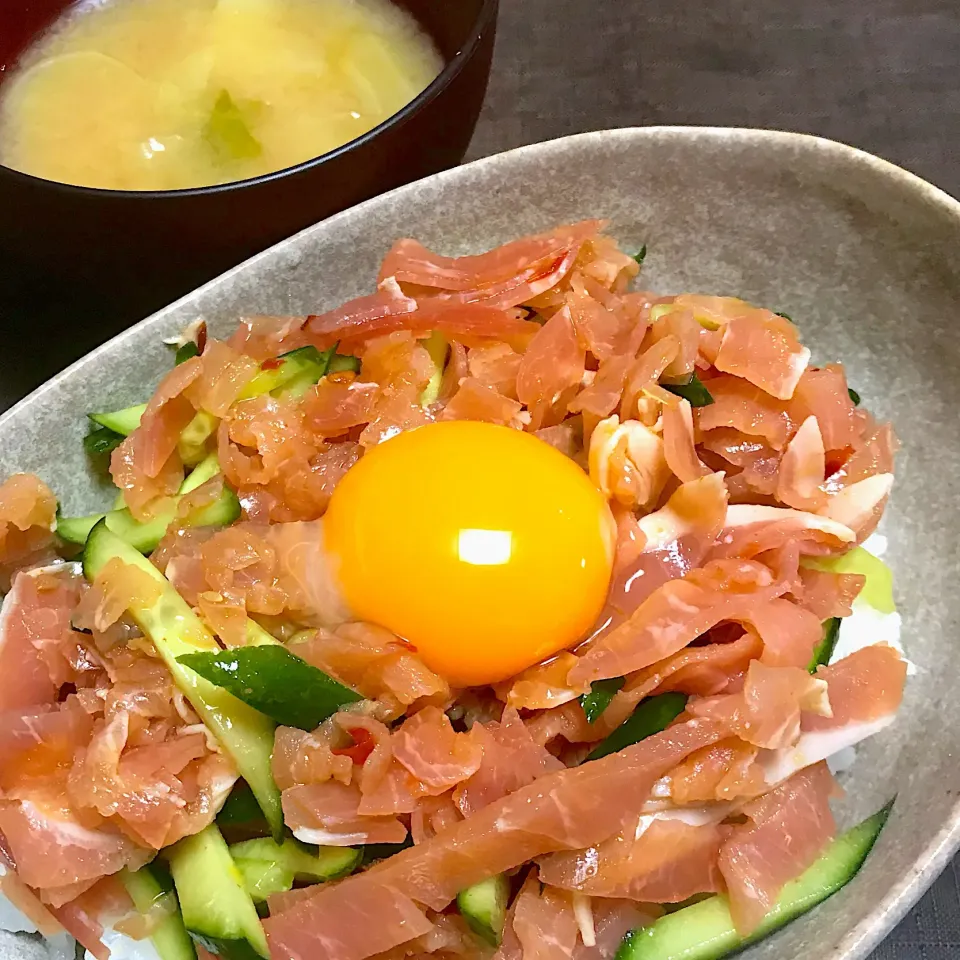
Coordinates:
[482,546]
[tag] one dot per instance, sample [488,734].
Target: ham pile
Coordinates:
[730,463]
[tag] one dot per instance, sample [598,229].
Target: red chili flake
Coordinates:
[363,745]
[201,336]
[273,363]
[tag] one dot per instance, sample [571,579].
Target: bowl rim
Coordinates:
[942,846]
[447,75]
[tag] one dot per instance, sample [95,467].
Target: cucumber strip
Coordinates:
[651,716]
[439,349]
[878,589]
[599,697]
[705,931]
[824,649]
[205,470]
[175,630]
[341,362]
[268,867]
[123,421]
[146,535]
[274,681]
[170,937]
[693,391]
[192,445]
[101,440]
[484,907]
[305,361]
[241,807]
[217,910]
[187,352]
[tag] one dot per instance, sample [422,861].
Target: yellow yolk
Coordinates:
[484,547]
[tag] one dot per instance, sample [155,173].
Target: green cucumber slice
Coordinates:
[651,716]
[824,649]
[705,931]
[306,361]
[169,936]
[123,421]
[175,630]
[217,910]
[484,907]
[878,589]
[599,697]
[438,348]
[274,681]
[268,867]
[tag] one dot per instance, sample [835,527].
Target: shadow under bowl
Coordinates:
[134,251]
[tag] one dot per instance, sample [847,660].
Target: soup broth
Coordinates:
[168,94]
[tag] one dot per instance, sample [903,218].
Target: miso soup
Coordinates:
[167,94]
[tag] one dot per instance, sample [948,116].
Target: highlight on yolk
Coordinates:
[484,547]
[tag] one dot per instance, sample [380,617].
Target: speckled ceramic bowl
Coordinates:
[866,259]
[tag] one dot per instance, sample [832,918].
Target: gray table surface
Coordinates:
[883,75]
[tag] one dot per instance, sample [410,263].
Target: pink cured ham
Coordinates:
[803,468]
[750,530]
[786,832]
[704,670]
[745,407]
[495,366]
[552,365]
[366,916]
[789,633]
[679,445]
[570,809]
[433,752]
[475,400]
[612,920]
[764,349]
[167,413]
[327,814]
[828,594]
[511,759]
[823,393]
[767,712]
[54,852]
[36,613]
[410,262]
[542,686]
[544,922]
[862,687]
[389,311]
[725,771]
[28,515]
[663,861]
[223,374]
[676,614]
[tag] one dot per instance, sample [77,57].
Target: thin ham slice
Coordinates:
[570,809]
[750,530]
[327,814]
[512,759]
[36,613]
[862,687]
[551,366]
[676,614]
[428,747]
[366,916]
[655,861]
[747,408]
[828,594]
[28,515]
[544,922]
[725,771]
[764,349]
[54,851]
[612,920]
[823,394]
[789,633]
[767,712]
[787,830]
[803,468]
